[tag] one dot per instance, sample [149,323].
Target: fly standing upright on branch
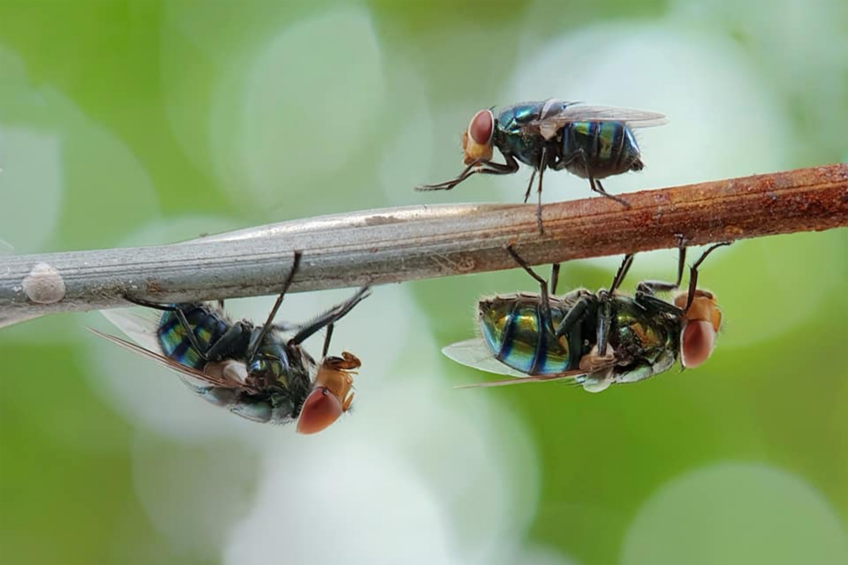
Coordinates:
[593,142]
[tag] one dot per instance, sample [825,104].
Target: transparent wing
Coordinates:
[557,114]
[568,375]
[210,378]
[138,324]
[475,354]
[635,118]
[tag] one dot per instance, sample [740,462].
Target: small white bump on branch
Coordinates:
[417,242]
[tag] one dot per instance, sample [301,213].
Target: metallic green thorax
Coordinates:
[650,340]
[278,366]
[510,136]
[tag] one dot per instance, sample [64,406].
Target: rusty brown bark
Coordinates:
[417,242]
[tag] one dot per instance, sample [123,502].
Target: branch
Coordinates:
[417,242]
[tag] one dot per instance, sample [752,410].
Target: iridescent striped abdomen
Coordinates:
[512,327]
[208,328]
[602,148]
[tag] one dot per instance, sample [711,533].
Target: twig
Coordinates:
[402,244]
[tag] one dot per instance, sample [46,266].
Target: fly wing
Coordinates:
[527,379]
[634,118]
[557,116]
[183,370]
[138,324]
[475,354]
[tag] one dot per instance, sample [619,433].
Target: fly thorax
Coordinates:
[269,366]
[267,371]
[636,332]
[646,335]
[511,137]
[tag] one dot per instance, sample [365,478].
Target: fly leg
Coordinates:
[571,327]
[626,263]
[544,297]
[328,318]
[327,337]
[554,278]
[605,306]
[646,290]
[599,188]
[654,287]
[530,185]
[645,296]
[257,337]
[447,185]
[655,304]
[604,323]
[595,184]
[693,272]
[481,167]
[543,163]
[286,327]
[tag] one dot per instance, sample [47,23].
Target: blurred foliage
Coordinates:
[112,78]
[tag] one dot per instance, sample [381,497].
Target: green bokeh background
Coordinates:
[778,402]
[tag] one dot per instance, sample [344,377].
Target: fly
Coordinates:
[596,339]
[592,142]
[247,368]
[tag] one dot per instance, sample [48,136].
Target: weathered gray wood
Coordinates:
[402,244]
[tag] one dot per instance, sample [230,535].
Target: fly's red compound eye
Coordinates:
[320,409]
[696,343]
[482,127]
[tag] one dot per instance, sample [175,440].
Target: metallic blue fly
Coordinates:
[247,368]
[595,339]
[593,142]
